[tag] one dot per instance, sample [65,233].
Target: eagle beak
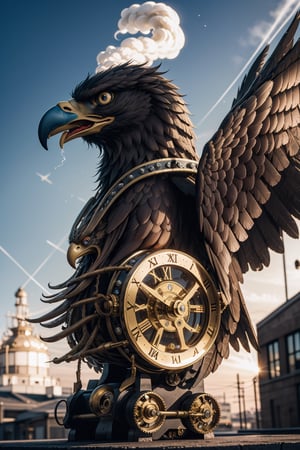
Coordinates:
[73,120]
[76,251]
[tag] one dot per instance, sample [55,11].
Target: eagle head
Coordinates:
[127,108]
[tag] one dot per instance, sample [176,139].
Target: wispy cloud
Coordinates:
[262,30]
[283,13]
[260,305]
[248,361]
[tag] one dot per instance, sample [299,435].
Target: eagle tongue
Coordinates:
[78,129]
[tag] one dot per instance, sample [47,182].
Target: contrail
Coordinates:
[56,247]
[30,277]
[280,16]
[45,260]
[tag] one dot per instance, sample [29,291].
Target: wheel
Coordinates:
[143,409]
[204,413]
[101,400]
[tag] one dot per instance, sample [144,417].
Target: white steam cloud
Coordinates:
[160,36]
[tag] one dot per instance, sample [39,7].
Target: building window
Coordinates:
[273,359]
[293,351]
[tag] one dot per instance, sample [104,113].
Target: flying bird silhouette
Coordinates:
[244,193]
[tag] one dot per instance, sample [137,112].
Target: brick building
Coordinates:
[279,362]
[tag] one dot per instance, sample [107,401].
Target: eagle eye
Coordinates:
[104,98]
[86,240]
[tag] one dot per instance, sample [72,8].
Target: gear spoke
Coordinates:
[144,411]
[179,325]
[190,293]
[192,329]
[204,413]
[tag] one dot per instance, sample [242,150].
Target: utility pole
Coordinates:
[239,399]
[244,407]
[285,278]
[284,271]
[255,402]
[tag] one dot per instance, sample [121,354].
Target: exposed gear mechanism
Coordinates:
[145,411]
[203,413]
[100,412]
[199,413]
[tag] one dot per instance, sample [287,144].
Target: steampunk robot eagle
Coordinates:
[161,249]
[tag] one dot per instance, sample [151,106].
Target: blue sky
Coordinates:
[48,47]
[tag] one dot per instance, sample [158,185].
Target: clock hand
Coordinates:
[152,292]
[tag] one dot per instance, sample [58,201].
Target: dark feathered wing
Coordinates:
[249,180]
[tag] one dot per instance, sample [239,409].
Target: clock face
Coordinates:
[169,310]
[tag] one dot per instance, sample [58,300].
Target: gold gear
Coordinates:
[203,413]
[144,411]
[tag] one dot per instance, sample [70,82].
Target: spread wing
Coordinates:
[249,179]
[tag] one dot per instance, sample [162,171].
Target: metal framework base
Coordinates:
[108,412]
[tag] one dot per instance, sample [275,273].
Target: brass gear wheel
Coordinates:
[203,413]
[144,411]
[101,400]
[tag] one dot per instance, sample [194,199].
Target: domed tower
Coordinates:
[24,357]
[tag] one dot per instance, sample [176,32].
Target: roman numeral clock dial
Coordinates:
[169,311]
